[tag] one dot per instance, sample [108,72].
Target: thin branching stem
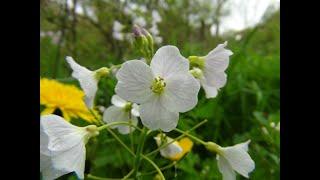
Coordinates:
[177,138]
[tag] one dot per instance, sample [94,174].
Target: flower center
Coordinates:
[158,85]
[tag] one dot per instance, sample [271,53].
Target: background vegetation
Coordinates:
[243,109]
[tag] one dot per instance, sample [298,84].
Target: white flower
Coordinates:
[158,39]
[210,69]
[127,11]
[235,158]
[171,150]
[162,89]
[116,31]
[238,37]
[140,21]
[142,8]
[154,29]
[156,18]
[117,26]
[194,20]
[118,35]
[88,79]
[278,126]
[121,111]
[62,147]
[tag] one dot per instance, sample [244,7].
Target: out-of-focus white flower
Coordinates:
[117,26]
[121,110]
[213,29]
[140,21]
[278,126]
[162,89]
[156,18]
[127,11]
[88,79]
[154,29]
[117,31]
[54,36]
[158,39]
[62,147]
[194,20]
[163,4]
[264,130]
[132,5]
[142,8]
[118,36]
[233,158]
[209,70]
[238,37]
[272,124]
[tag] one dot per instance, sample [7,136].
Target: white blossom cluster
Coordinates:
[137,13]
[54,36]
[156,93]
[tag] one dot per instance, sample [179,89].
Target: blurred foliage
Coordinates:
[243,109]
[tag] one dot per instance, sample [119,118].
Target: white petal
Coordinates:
[218,59]
[215,79]
[46,168]
[115,114]
[210,91]
[154,116]
[62,135]
[244,145]
[180,93]
[134,81]
[118,101]
[45,162]
[87,81]
[49,172]
[135,110]
[225,169]
[170,150]
[168,61]
[124,129]
[239,159]
[71,160]
[44,141]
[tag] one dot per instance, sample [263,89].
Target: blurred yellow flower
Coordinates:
[68,98]
[186,145]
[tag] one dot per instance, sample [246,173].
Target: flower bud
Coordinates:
[143,41]
[213,147]
[102,72]
[196,61]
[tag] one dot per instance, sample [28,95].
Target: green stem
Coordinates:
[128,175]
[162,168]
[120,141]
[191,136]
[118,123]
[115,66]
[177,138]
[139,150]
[90,176]
[154,165]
